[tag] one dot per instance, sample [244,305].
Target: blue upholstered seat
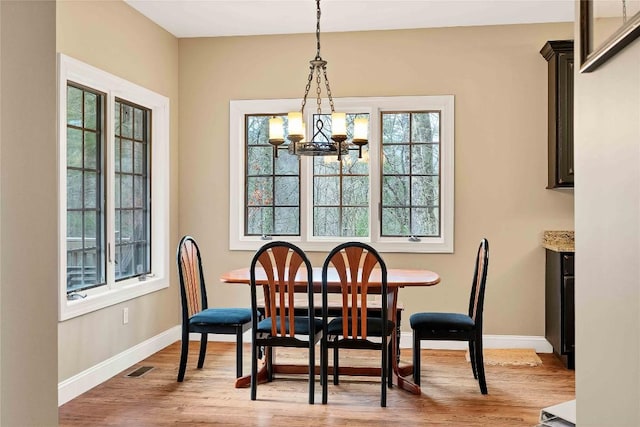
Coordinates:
[221,316]
[442,321]
[301,323]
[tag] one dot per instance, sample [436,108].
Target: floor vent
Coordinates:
[139,372]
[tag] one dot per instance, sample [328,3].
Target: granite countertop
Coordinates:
[559,241]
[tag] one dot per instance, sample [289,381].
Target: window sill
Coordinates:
[435,245]
[109,297]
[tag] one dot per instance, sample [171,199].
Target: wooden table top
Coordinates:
[396,277]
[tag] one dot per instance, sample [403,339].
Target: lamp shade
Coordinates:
[339,124]
[276,129]
[360,129]
[295,123]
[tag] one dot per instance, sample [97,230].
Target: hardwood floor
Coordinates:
[450,395]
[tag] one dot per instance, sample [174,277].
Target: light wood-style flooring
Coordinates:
[450,395]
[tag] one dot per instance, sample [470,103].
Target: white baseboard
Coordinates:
[76,385]
[86,380]
[539,344]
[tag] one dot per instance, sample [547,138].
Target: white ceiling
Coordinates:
[214,18]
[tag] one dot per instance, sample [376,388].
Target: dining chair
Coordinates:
[457,326]
[287,271]
[197,317]
[354,328]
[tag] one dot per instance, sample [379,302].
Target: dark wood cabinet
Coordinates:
[559,56]
[559,305]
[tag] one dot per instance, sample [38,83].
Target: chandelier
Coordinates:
[322,142]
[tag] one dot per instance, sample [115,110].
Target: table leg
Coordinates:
[400,374]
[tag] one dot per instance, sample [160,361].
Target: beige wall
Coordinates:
[115,38]
[28,332]
[499,81]
[607,159]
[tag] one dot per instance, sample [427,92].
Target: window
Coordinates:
[398,196]
[113,134]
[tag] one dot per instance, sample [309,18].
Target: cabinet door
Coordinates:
[568,314]
[564,123]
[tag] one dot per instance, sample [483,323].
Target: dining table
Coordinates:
[396,278]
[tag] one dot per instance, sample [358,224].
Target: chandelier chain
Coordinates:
[326,81]
[318,92]
[318,29]
[624,11]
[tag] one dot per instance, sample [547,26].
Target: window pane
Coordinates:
[352,165]
[425,127]
[91,190]
[139,229]
[326,221]
[142,264]
[126,226]
[74,189]
[138,192]
[260,221]
[138,157]
[74,230]
[287,164]
[326,165]
[126,156]
[91,158]
[74,147]
[425,159]
[126,188]
[90,110]
[287,221]
[124,268]
[126,129]
[355,222]
[260,161]
[395,159]
[425,190]
[138,124]
[287,191]
[74,106]
[259,191]
[116,154]
[258,130]
[326,190]
[117,191]
[90,230]
[425,221]
[395,191]
[395,221]
[355,190]
[395,128]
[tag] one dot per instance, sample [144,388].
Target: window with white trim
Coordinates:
[114,242]
[398,196]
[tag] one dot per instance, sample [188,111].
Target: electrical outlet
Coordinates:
[125,315]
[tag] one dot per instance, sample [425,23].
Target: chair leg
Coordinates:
[383,369]
[312,371]
[268,353]
[239,352]
[416,358]
[203,350]
[183,355]
[324,374]
[480,364]
[472,358]
[336,367]
[390,365]
[254,369]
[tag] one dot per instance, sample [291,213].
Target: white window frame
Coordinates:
[374,106]
[113,292]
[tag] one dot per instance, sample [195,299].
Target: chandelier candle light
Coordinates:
[321,144]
